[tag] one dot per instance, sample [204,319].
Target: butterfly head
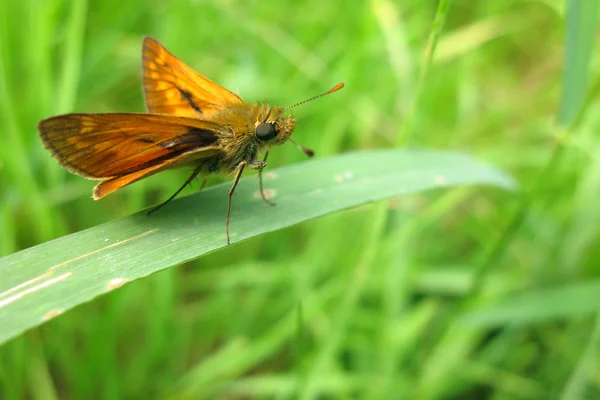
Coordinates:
[272,127]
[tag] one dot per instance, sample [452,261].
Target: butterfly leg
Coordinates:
[260,180]
[240,169]
[189,180]
[204,180]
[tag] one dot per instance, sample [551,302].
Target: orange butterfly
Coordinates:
[191,121]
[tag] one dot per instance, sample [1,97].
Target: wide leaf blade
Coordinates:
[44,281]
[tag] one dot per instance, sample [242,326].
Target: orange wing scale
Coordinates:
[122,148]
[172,87]
[110,185]
[126,147]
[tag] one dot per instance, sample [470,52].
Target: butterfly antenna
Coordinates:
[334,89]
[306,150]
[303,149]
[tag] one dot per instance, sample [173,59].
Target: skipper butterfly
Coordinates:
[191,121]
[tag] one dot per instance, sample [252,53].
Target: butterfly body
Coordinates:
[240,142]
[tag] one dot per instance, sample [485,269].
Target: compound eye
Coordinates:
[265,131]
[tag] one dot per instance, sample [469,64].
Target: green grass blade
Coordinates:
[582,377]
[542,305]
[406,134]
[50,278]
[72,56]
[582,23]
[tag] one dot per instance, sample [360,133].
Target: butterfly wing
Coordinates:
[113,184]
[172,87]
[126,147]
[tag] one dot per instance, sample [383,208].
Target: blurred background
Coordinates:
[466,293]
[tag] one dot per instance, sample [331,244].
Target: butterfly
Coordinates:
[191,121]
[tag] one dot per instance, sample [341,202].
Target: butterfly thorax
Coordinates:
[241,137]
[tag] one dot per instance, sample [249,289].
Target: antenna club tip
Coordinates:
[336,87]
[309,152]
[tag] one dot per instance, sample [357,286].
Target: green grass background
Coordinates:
[465,293]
